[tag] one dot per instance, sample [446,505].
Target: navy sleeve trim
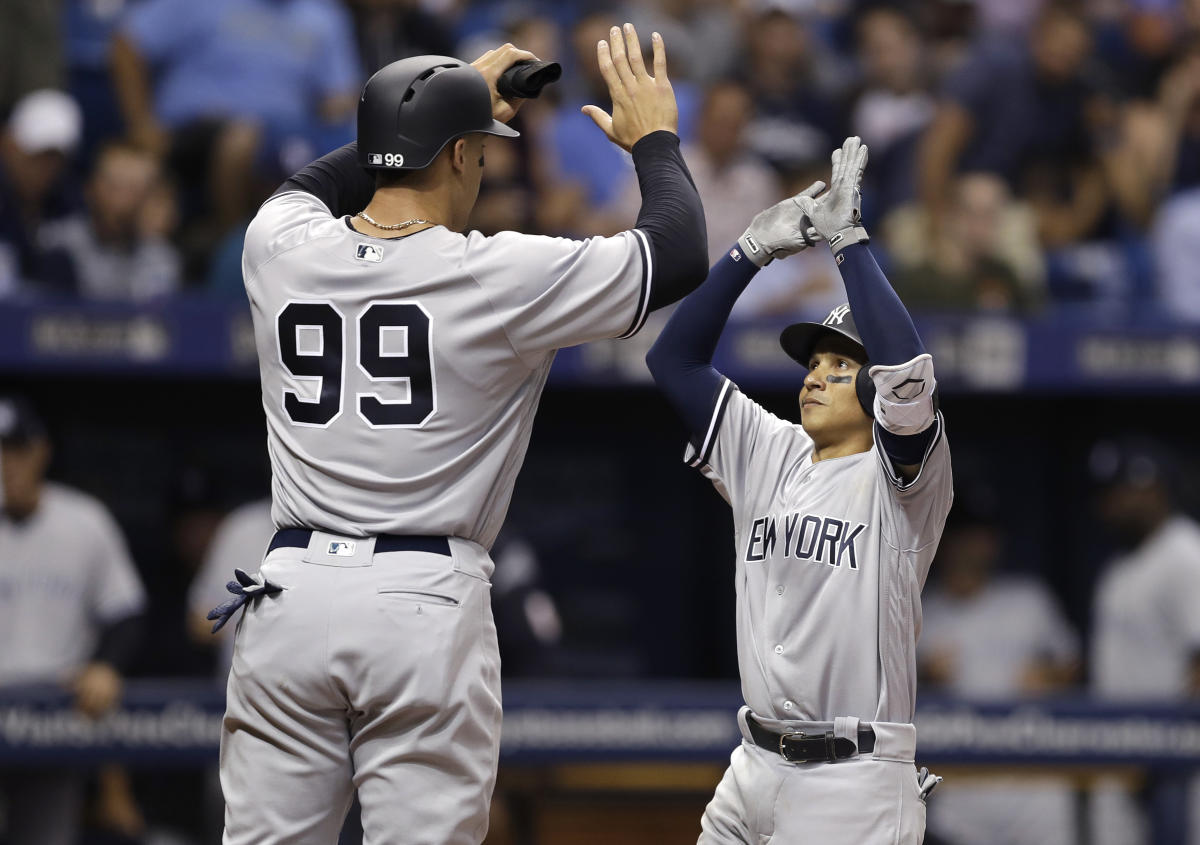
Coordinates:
[705,446]
[643,309]
[899,483]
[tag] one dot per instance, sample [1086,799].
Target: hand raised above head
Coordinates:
[840,207]
[641,103]
[493,63]
[781,230]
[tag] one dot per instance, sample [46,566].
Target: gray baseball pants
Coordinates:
[371,672]
[864,800]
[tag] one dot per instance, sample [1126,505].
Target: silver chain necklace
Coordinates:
[391,226]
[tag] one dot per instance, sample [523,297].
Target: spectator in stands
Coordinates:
[119,250]
[31,48]
[988,634]
[587,173]
[1158,148]
[223,85]
[1146,631]
[987,260]
[1177,255]
[893,106]
[732,182]
[704,47]
[89,26]
[796,121]
[70,602]
[389,30]
[1020,110]
[35,150]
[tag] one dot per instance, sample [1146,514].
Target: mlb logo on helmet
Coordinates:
[369,252]
[375,158]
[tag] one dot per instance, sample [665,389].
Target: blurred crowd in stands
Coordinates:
[1025,154]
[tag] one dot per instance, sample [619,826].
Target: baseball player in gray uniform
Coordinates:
[401,364]
[70,612]
[836,521]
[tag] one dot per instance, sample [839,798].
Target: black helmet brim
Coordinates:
[800,339]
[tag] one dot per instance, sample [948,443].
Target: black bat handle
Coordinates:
[527,78]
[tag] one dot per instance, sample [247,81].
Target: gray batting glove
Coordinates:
[780,230]
[837,216]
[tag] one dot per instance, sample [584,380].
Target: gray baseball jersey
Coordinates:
[400,377]
[240,542]
[989,654]
[831,559]
[64,573]
[1146,625]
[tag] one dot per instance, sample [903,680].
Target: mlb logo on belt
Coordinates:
[341,548]
[369,252]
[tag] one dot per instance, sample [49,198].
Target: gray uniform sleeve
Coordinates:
[555,292]
[116,589]
[746,450]
[281,223]
[922,503]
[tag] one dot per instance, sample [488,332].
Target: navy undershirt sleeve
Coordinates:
[119,642]
[337,180]
[671,217]
[681,359]
[883,322]
[889,336]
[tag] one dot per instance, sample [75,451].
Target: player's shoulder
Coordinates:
[530,251]
[284,221]
[71,506]
[1177,544]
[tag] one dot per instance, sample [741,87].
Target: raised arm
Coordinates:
[899,365]
[644,120]
[681,359]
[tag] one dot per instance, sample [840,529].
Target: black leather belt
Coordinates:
[299,537]
[809,746]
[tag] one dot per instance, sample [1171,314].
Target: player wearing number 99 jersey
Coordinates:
[401,364]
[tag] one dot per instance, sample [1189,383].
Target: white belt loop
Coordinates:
[846,727]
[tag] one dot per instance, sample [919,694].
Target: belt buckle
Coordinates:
[783,749]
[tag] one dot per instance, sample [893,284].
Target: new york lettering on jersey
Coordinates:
[807,537]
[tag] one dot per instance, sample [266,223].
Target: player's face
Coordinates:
[22,470]
[829,408]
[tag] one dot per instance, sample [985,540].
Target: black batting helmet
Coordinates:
[410,109]
[799,339]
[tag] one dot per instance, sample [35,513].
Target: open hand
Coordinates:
[641,103]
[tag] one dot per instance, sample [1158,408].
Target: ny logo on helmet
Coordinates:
[837,315]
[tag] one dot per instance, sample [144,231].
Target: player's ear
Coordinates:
[458,155]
